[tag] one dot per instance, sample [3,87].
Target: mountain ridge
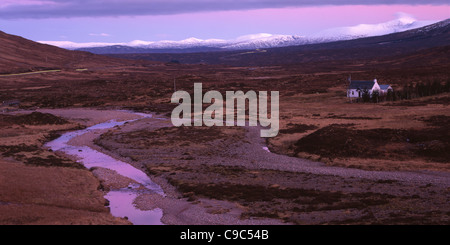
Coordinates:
[253,41]
[378,47]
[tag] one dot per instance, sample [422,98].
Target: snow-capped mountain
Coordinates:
[265,40]
[403,22]
[255,41]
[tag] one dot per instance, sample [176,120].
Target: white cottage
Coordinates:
[356,88]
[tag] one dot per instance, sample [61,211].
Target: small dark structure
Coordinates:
[11,103]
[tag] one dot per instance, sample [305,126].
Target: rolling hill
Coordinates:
[18,54]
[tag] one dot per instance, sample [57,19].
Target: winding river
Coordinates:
[121,200]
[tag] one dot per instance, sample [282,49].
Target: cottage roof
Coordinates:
[384,86]
[354,84]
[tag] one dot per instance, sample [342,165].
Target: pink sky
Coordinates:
[314,19]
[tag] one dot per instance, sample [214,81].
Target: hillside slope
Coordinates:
[18,54]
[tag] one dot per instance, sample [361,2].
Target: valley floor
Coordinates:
[217,175]
[334,162]
[228,178]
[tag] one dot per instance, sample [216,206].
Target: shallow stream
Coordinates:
[120,201]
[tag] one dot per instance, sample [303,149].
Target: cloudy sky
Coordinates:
[154,20]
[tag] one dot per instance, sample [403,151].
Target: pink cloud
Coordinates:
[9,3]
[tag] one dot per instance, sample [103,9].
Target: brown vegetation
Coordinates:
[343,141]
[39,187]
[34,118]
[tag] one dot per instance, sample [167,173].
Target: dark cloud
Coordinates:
[99,8]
